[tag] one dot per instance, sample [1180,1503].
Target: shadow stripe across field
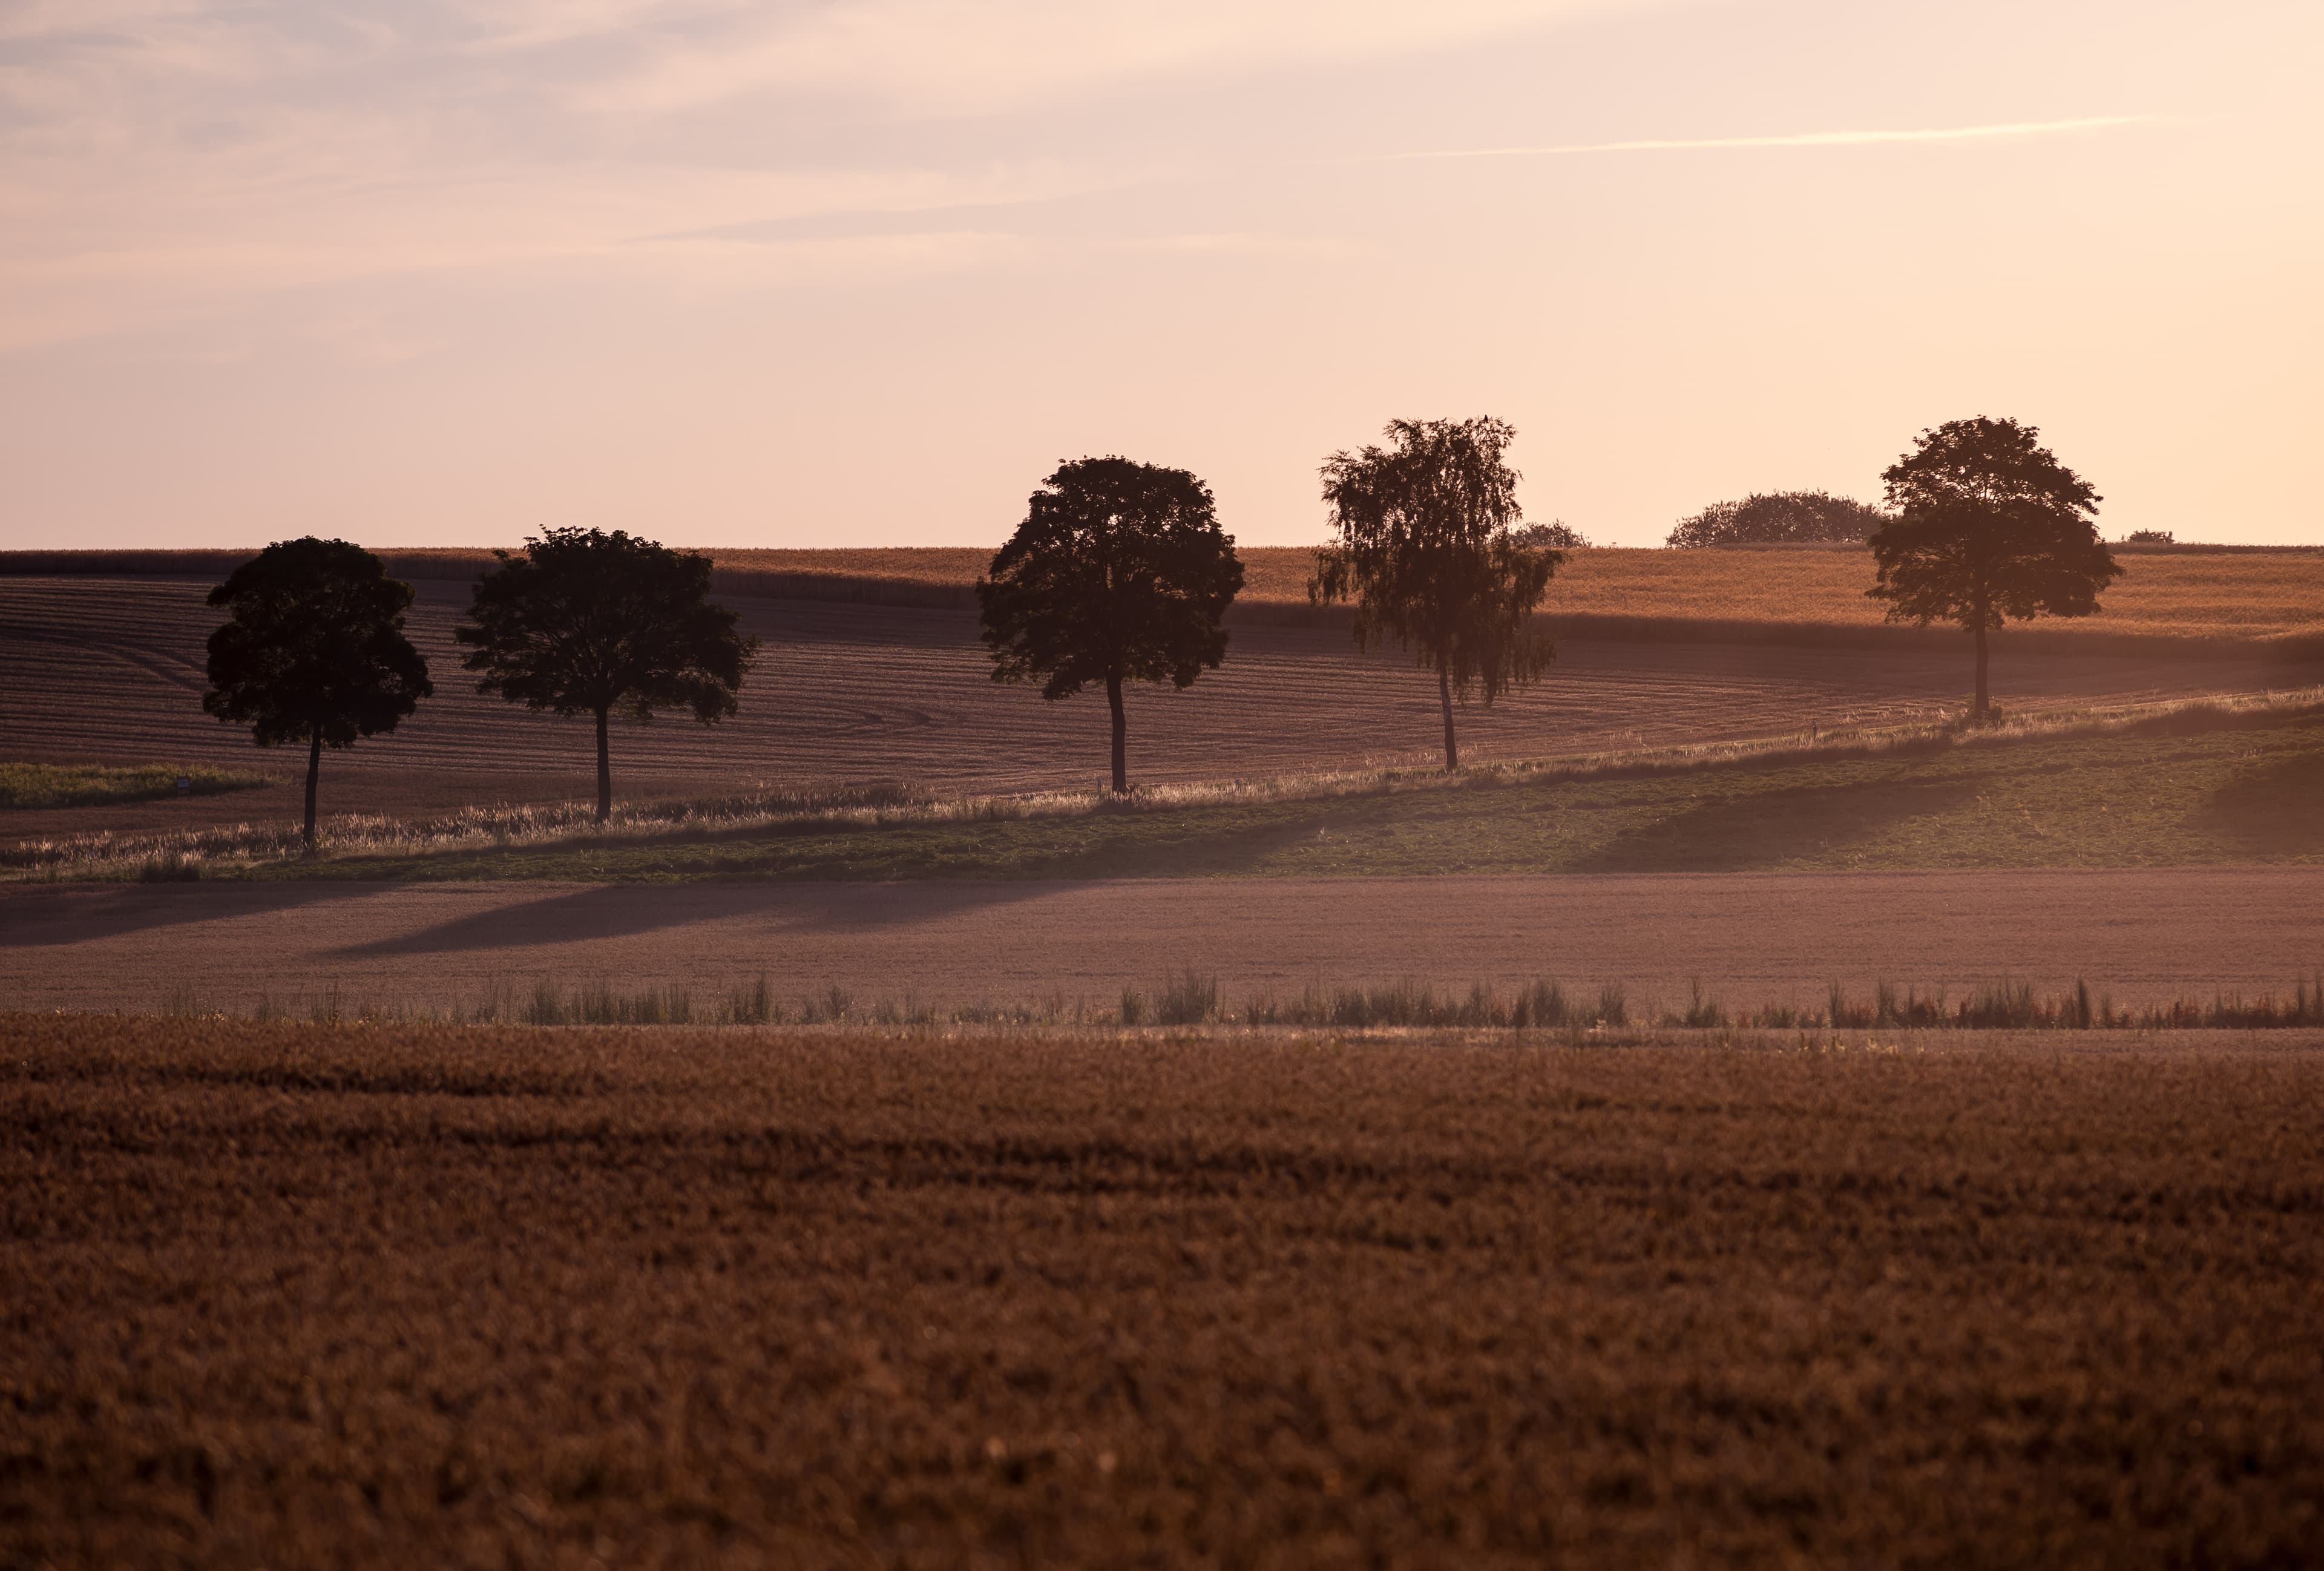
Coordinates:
[1751,938]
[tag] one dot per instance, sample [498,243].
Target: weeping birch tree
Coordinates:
[1426,550]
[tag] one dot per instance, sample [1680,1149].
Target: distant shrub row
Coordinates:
[1780,518]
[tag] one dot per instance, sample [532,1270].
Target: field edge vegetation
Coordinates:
[862,833]
[27,786]
[1606,1014]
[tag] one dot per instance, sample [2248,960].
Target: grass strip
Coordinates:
[82,785]
[2181,791]
[2230,785]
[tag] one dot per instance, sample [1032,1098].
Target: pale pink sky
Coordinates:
[862,272]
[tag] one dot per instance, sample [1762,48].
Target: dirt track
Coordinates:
[1751,938]
[111,668]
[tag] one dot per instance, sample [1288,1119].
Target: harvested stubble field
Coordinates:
[297,1296]
[2145,937]
[110,670]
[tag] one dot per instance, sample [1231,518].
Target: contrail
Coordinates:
[1799,139]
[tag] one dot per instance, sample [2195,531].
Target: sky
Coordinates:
[862,272]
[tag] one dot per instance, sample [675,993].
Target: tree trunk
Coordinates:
[604,773]
[314,769]
[1984,692]
[1444,696]
[1121,737]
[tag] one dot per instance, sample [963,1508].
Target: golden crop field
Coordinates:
[2238,595]
[2190,595]
[299,1296]
[960,565]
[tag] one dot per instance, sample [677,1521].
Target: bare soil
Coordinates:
[393,1297]
[1751,939]
[110,670]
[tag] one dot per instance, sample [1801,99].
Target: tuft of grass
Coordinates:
[1188,998]
[24,786]
[751,1005]
[1701,1012]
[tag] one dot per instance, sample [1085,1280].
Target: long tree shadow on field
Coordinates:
[631,911]
[2273,809]
[1201,852]
[47,917]
[1770,828]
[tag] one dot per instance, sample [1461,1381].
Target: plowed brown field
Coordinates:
[1749,939]
[110,670]
[394,1298]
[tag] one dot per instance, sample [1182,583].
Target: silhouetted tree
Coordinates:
[1426,551]
[1990,526]
[586,623]
[1557,535]
[1119,573]
[1778,517]
[313,650]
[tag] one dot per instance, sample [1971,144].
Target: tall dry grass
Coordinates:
[1187,997]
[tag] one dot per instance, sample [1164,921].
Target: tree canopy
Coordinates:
[1119,573]
[1557,535]
[586,623]
[1426,550]
[1990,526]
[313,650]
[1776,517]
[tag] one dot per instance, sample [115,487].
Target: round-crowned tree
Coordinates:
[1779,518]
[1118,574]
[313,650]
[1990,526]
[586,623]
[1427,551]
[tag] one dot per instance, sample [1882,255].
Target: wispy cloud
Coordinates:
[1798,139]
[161,159]
[956,56]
